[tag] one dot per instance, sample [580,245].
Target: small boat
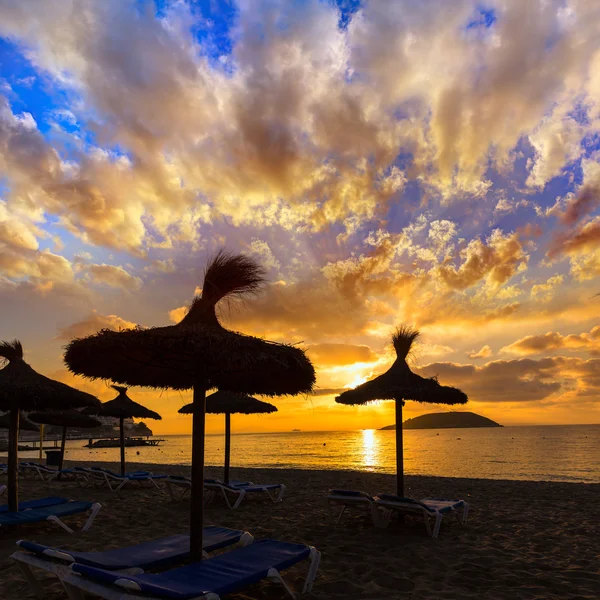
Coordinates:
[295,429]
[129,442]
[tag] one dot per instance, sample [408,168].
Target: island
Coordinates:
[446,420]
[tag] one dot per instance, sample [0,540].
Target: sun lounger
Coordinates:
[179,486]
[156,554]
[116,482]
[429,508]
[347,499]
[275,491]
[42,471]
[52,513]
[208,579]
[2,489]
[37,503]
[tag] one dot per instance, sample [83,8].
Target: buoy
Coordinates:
[324,444]
[458,438]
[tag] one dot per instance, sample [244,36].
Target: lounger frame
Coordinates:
[383,511]
[93,510]
[27,560]
[241,492]
[77,586]
[347,501]
[116,482]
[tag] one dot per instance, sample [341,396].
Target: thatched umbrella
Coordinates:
[22,388]
[123,407]
[399,383]
[199,354]
[228,403]
[65,419]
[24,423]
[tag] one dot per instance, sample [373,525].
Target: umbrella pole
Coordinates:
[13,460]
[122,431]
[62,450]
[399,450]
[197,495]
[227,445]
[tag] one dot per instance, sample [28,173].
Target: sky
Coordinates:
[432,163]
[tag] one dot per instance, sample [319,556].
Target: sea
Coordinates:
[538,453]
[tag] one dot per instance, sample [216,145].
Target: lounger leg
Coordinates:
[465,514]
[120,486]
[34,584]
[95,510]
[341,514]
[315,559]
[56,520]
[275,575]
[239,500]
[73,592]
[438,523]
[281,493]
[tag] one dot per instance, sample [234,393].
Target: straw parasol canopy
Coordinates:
[24,423]
[22,388]
[65,419]
[228,403]
[123,407]
[198,353]
[399,383]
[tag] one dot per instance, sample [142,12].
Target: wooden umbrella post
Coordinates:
[122,432]
[399,450]
[227,445]
[197,492]
[63,443]
[41,441]
[13,461]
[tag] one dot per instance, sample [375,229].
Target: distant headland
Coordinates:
[447,420]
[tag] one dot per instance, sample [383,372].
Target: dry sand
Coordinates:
[524,539]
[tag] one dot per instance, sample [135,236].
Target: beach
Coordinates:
[524,539]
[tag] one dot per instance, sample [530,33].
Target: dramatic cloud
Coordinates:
[496,261]
[340,354]
[485,352]
[539,344]
[113,276]
[92,324]
[429,163]
[521,380]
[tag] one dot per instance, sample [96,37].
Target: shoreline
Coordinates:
[524,540]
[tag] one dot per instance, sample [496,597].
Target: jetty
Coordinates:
[129,442]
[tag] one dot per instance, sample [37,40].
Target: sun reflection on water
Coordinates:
[370,448]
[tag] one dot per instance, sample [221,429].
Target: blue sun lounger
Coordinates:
[275,491]
[208,579]
[52,513]
[435,508]
[37,503]
[156,554]
[347,499]
[115,482]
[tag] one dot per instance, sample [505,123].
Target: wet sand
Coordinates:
[524,540]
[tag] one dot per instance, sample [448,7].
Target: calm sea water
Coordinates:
[553,453]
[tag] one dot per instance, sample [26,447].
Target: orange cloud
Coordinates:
[95,322]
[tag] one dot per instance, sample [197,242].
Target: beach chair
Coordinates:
[347,499]
[2,489]
[52,513]
[81,475]
[37,503]
[428,508]
[116,482]
[42,471]
[275,491]
[3,469]
[208,579]
[155,555]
